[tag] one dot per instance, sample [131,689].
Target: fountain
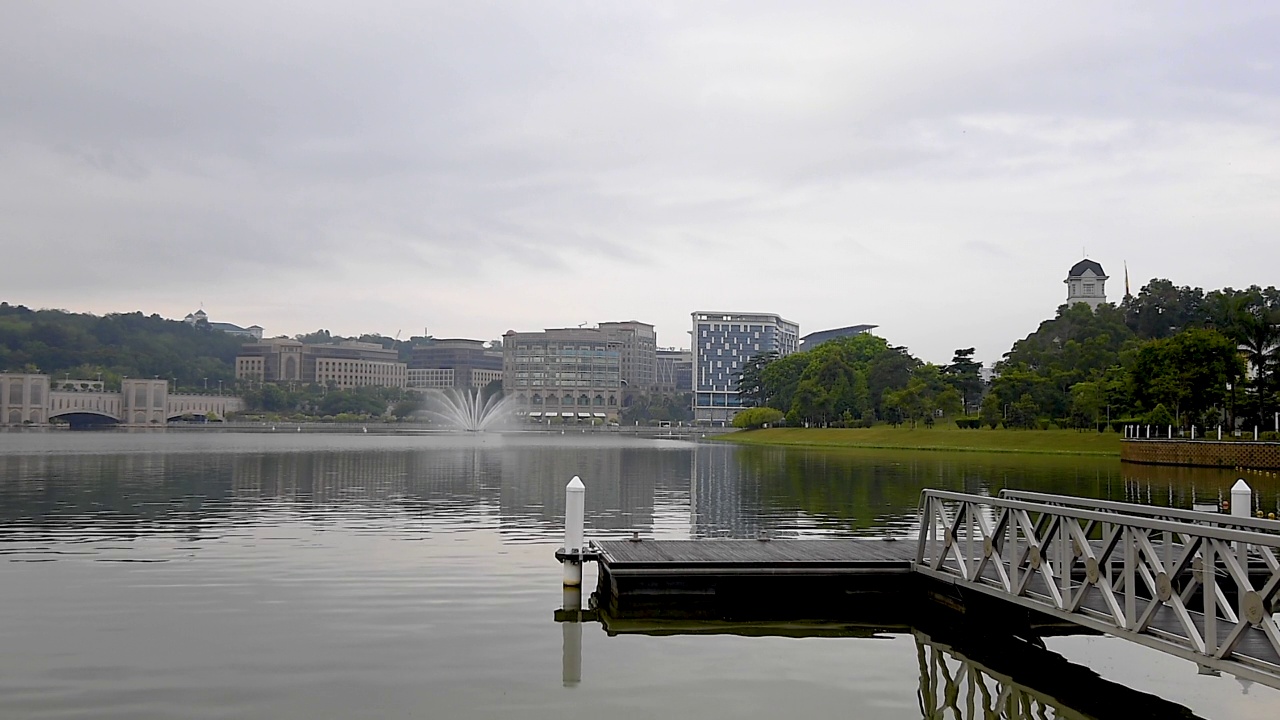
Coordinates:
[468,410]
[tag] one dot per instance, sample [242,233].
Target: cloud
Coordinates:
[476,168]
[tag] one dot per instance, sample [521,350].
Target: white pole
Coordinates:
[1255,433]
[574,519]
[1219,432]
[1241,500]
[1170,432]
[1193,437]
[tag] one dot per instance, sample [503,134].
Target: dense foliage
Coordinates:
[856,381]
[56,342]
[1166,356]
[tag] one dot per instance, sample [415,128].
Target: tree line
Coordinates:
[1167,356]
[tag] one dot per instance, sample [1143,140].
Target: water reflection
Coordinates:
[665,490]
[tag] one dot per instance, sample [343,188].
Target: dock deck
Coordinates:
[756,556]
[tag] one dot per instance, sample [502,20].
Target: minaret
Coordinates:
[1086,283]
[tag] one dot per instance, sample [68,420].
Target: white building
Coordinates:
[1086,283]
[722,344]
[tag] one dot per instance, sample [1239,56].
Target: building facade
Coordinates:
[1086,283]
[565,374]
[638,345]
[673,371]
[347,364]
[466,364]
[722,343]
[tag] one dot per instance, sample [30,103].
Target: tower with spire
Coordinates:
[1086,283]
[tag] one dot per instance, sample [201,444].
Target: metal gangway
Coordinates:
[1197,585]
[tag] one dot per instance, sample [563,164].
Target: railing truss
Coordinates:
[1201,591]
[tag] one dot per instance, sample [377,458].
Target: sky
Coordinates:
[467,168]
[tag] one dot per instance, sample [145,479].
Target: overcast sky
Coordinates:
[468,168]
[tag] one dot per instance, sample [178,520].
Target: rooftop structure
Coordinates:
[1086,283]
[812,340]
[200,318]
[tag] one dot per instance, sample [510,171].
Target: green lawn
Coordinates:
[1053,442]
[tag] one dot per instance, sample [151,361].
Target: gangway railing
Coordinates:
[1175,585]
[1196,517]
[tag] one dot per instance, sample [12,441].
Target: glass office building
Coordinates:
[722,343]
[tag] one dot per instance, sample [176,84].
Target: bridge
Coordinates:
[1201,586]
[33,400]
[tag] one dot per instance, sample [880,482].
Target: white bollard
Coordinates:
[1193,437]
[1241,504]
[574,518]
[1219,432]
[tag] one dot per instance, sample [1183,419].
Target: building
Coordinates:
[639,346]
[346,364]
[201,319]
[454,363]
[813,340]
[569,374]
[1086,283]
[673,371]
[722,343]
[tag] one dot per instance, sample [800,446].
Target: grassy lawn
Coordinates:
[1051,442]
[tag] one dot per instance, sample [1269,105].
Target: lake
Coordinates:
[207,574]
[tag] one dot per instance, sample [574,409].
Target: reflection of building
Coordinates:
[200,319]
[722,344]
[673,371]
[456,363]
[28,400]
[569,373]
[1086,283]
[345,364]
[813,340]
[723,500]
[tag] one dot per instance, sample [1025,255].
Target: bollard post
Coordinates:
[1241,501]
[574,518]
[1219,432]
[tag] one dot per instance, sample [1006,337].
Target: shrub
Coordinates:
[969,423]
[757,417]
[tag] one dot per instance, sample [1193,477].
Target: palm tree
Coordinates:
[1258,334]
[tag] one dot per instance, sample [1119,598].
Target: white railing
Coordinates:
[1200,591]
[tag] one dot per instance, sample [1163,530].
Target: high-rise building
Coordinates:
[638,352]
[1086,283]
[571,374]
[454,362]
[722,343]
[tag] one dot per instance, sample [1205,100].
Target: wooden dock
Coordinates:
[1203,587]
[754,579]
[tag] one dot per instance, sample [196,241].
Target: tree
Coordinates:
[1024,413]
[1189,372]
[964,374]
[751,387]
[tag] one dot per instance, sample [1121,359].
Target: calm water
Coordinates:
[219,575]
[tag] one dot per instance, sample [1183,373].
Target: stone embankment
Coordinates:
[1203,453]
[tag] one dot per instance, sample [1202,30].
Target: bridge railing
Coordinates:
[1200,591]
[1195,517]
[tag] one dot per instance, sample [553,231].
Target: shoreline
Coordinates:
[1022,442]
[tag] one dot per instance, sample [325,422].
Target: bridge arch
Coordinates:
[79,417]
